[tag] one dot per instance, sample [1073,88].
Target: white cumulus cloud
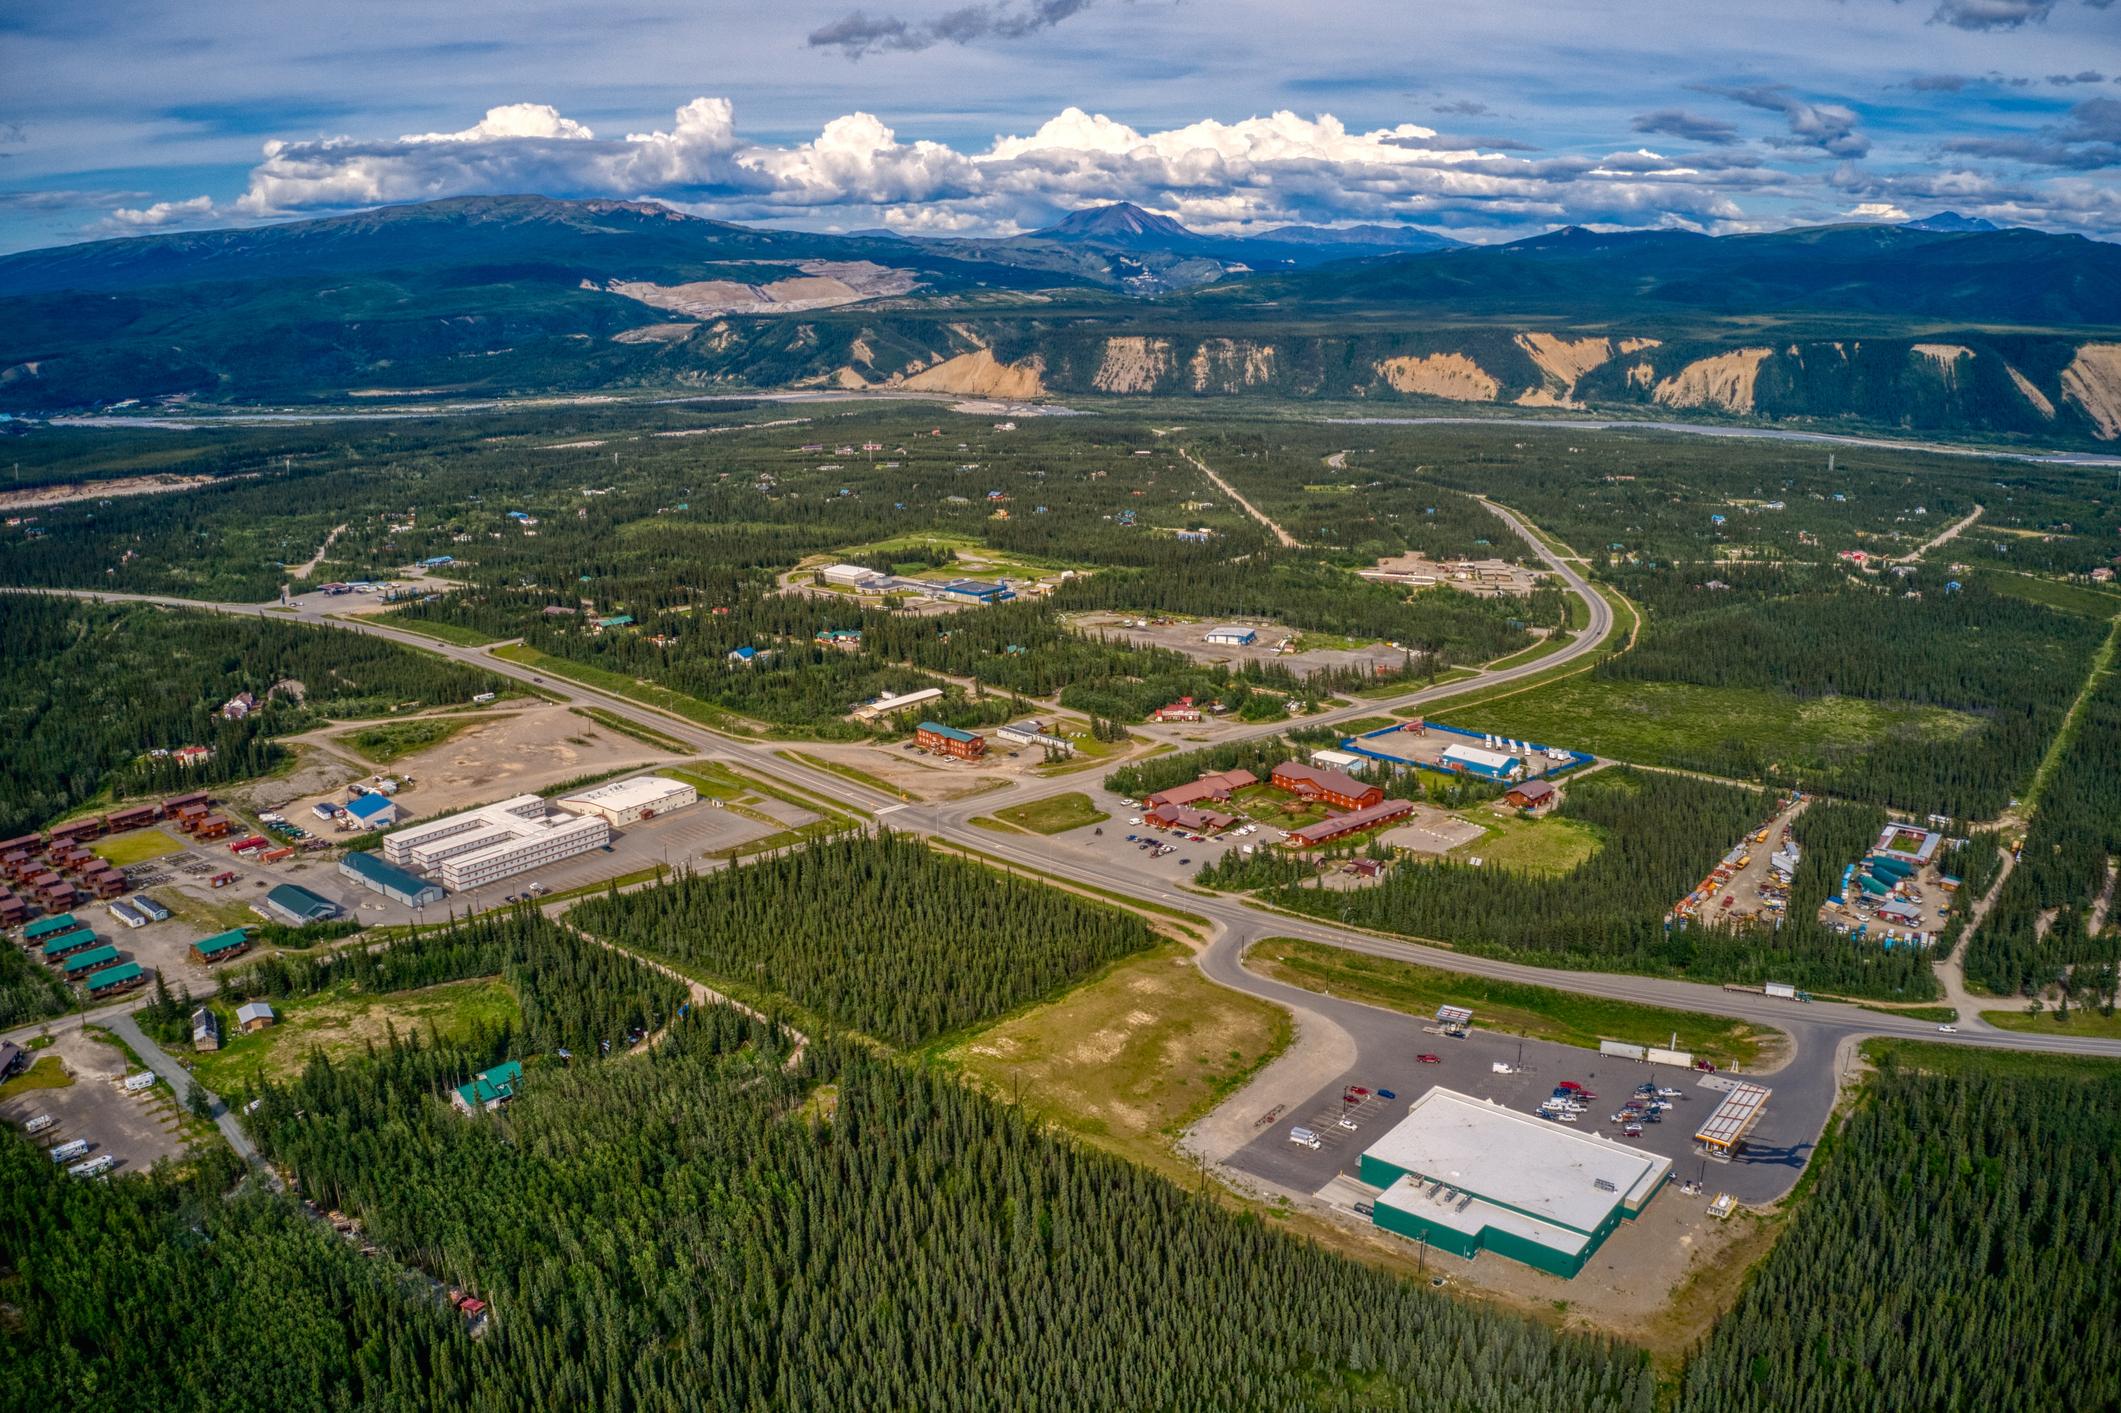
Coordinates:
[1213,174]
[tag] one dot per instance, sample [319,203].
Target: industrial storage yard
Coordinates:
[1461,751]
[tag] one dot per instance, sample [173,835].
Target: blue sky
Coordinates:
[989,116]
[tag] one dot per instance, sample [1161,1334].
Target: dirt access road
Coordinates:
[1288,541]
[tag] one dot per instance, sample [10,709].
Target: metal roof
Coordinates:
[114,976]
[388,874]
[948,733]
[294,899]
[1515,1161]
[1735,1116]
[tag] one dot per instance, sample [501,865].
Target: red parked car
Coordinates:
[1428,1059]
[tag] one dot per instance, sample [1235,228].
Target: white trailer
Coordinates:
[68,1151]
[94,1167]
[1620,1049]
[1682,1058]
[135,1083]
[1781,990]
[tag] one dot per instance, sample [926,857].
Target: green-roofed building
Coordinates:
[221,946]
[112,980]
[45,926]
[93,959]
[489,1089]
[67,943]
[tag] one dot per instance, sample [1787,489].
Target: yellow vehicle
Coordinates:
[1744,861]
[1761,837]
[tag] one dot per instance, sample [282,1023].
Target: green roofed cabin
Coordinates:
[221,946]
[112,980]
[66,944]
[489,1089]
[45,926]
[91,960]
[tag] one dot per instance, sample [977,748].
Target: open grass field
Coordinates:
[138,846]
[429,628]
[387,741]
[2089,600]
[225,908]
[338,1023]
[1129,1059]
[1513,1008]
[854,773]
[1966,1060]
[1055,815]
[2081,1020]
[1673,723]
[975,557]
[46,1074]
[633,689]
[614,722]
[1550,845]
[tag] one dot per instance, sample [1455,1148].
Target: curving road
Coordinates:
[1378,1040]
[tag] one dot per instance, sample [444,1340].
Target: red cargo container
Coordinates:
[244,846]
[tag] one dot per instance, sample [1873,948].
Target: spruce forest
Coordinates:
[878,934]
[87,691]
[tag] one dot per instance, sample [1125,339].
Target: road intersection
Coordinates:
[1822,1033]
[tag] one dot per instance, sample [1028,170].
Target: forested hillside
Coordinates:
[878,933]
[87,690]
[1960,1250]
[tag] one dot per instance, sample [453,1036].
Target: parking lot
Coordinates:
[135,1129]
[1763,1172]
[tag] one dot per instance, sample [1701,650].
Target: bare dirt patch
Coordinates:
[1132,364]
[62,492]
[981,374]
[1724,381]
[1446,375]
[529,750]
[1127,1060]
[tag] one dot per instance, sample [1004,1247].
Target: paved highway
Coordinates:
[1347,1038]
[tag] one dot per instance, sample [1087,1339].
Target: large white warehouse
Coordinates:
[478,846]
[625,802]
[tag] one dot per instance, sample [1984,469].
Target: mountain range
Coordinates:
[1941,325]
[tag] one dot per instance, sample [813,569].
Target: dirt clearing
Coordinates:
[1128,1060]
[529,750]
